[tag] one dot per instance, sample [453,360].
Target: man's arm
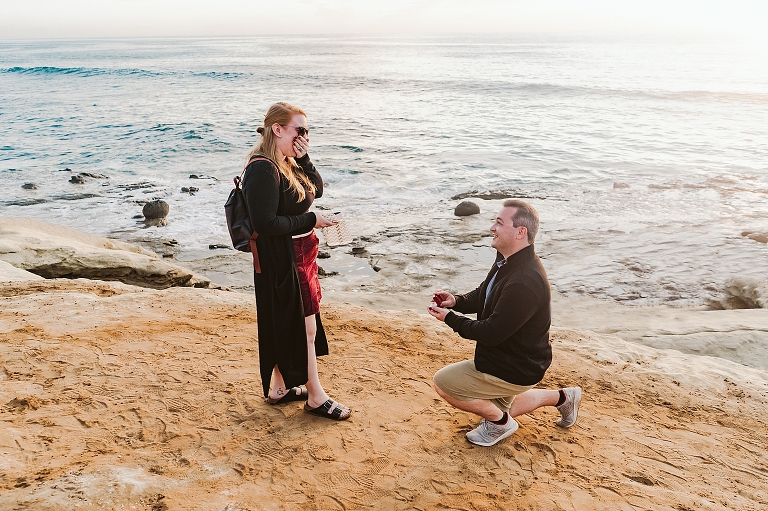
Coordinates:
[516,305]
[467,303]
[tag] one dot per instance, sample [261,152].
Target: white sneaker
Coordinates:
[569,410]
[488,433]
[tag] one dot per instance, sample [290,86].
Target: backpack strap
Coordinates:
[252,241]
[239,179]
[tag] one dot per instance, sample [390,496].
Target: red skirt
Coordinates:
[306,263]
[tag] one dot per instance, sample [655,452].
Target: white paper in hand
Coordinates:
[337,234]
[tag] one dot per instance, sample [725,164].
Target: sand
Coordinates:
[119,397]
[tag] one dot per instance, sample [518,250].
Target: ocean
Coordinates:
[647,160]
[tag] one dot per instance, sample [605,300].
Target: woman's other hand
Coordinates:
[321,221]
[301,146]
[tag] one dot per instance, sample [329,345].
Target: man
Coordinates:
[512,333]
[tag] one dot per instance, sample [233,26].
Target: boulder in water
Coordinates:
[466,208]
[156,209]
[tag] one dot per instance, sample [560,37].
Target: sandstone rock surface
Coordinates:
[53,251]
[117,397]
[9,273]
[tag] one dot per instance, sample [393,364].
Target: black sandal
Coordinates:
[330,410]
[291,395]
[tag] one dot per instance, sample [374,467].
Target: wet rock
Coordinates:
[218,245]
[156,209]
[487,194]
[190,190]
[323,255]
[135,186]
[359,251]
[25,202]
[65,170]
[322,273]
[155,222]
[29,186]
[195,176]
[760,237]
[94,176]
[76,196]
[78,180]
[497,195]
[466,208]
[137,217]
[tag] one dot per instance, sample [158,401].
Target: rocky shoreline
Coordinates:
[146,395]
[52,251]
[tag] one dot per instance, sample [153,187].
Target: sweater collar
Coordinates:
[517,259]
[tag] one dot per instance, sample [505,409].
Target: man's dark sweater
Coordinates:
[512,327]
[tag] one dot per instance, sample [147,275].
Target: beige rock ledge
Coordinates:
[119,397]
[54,251]
[9,273]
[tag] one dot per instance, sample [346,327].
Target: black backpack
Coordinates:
[239,224]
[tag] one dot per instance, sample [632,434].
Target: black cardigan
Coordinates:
[276,214]
[512,331]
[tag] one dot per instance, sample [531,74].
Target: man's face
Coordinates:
[504,232]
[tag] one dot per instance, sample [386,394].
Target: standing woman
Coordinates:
[280,185]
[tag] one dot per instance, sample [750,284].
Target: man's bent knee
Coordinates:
[440,392]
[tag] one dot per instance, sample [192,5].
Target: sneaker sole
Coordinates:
[576,404]
[502,437]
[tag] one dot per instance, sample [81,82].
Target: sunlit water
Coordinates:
[646,160]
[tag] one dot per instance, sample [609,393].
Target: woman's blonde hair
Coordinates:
[281,113]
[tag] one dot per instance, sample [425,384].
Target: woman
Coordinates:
[280,185]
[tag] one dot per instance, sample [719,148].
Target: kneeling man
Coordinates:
[512,333]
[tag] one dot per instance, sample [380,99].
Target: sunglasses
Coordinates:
[300,130]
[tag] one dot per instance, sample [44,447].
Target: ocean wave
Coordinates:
[95,71]
[50,70]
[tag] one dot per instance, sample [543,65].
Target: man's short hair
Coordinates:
[525,216]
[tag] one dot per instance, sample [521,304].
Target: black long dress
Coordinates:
[277,214]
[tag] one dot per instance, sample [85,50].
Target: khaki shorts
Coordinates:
[463,382]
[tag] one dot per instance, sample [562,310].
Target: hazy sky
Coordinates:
[36,19]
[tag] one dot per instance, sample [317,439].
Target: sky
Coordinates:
[77,19]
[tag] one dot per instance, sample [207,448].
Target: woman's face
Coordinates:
[286,134]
